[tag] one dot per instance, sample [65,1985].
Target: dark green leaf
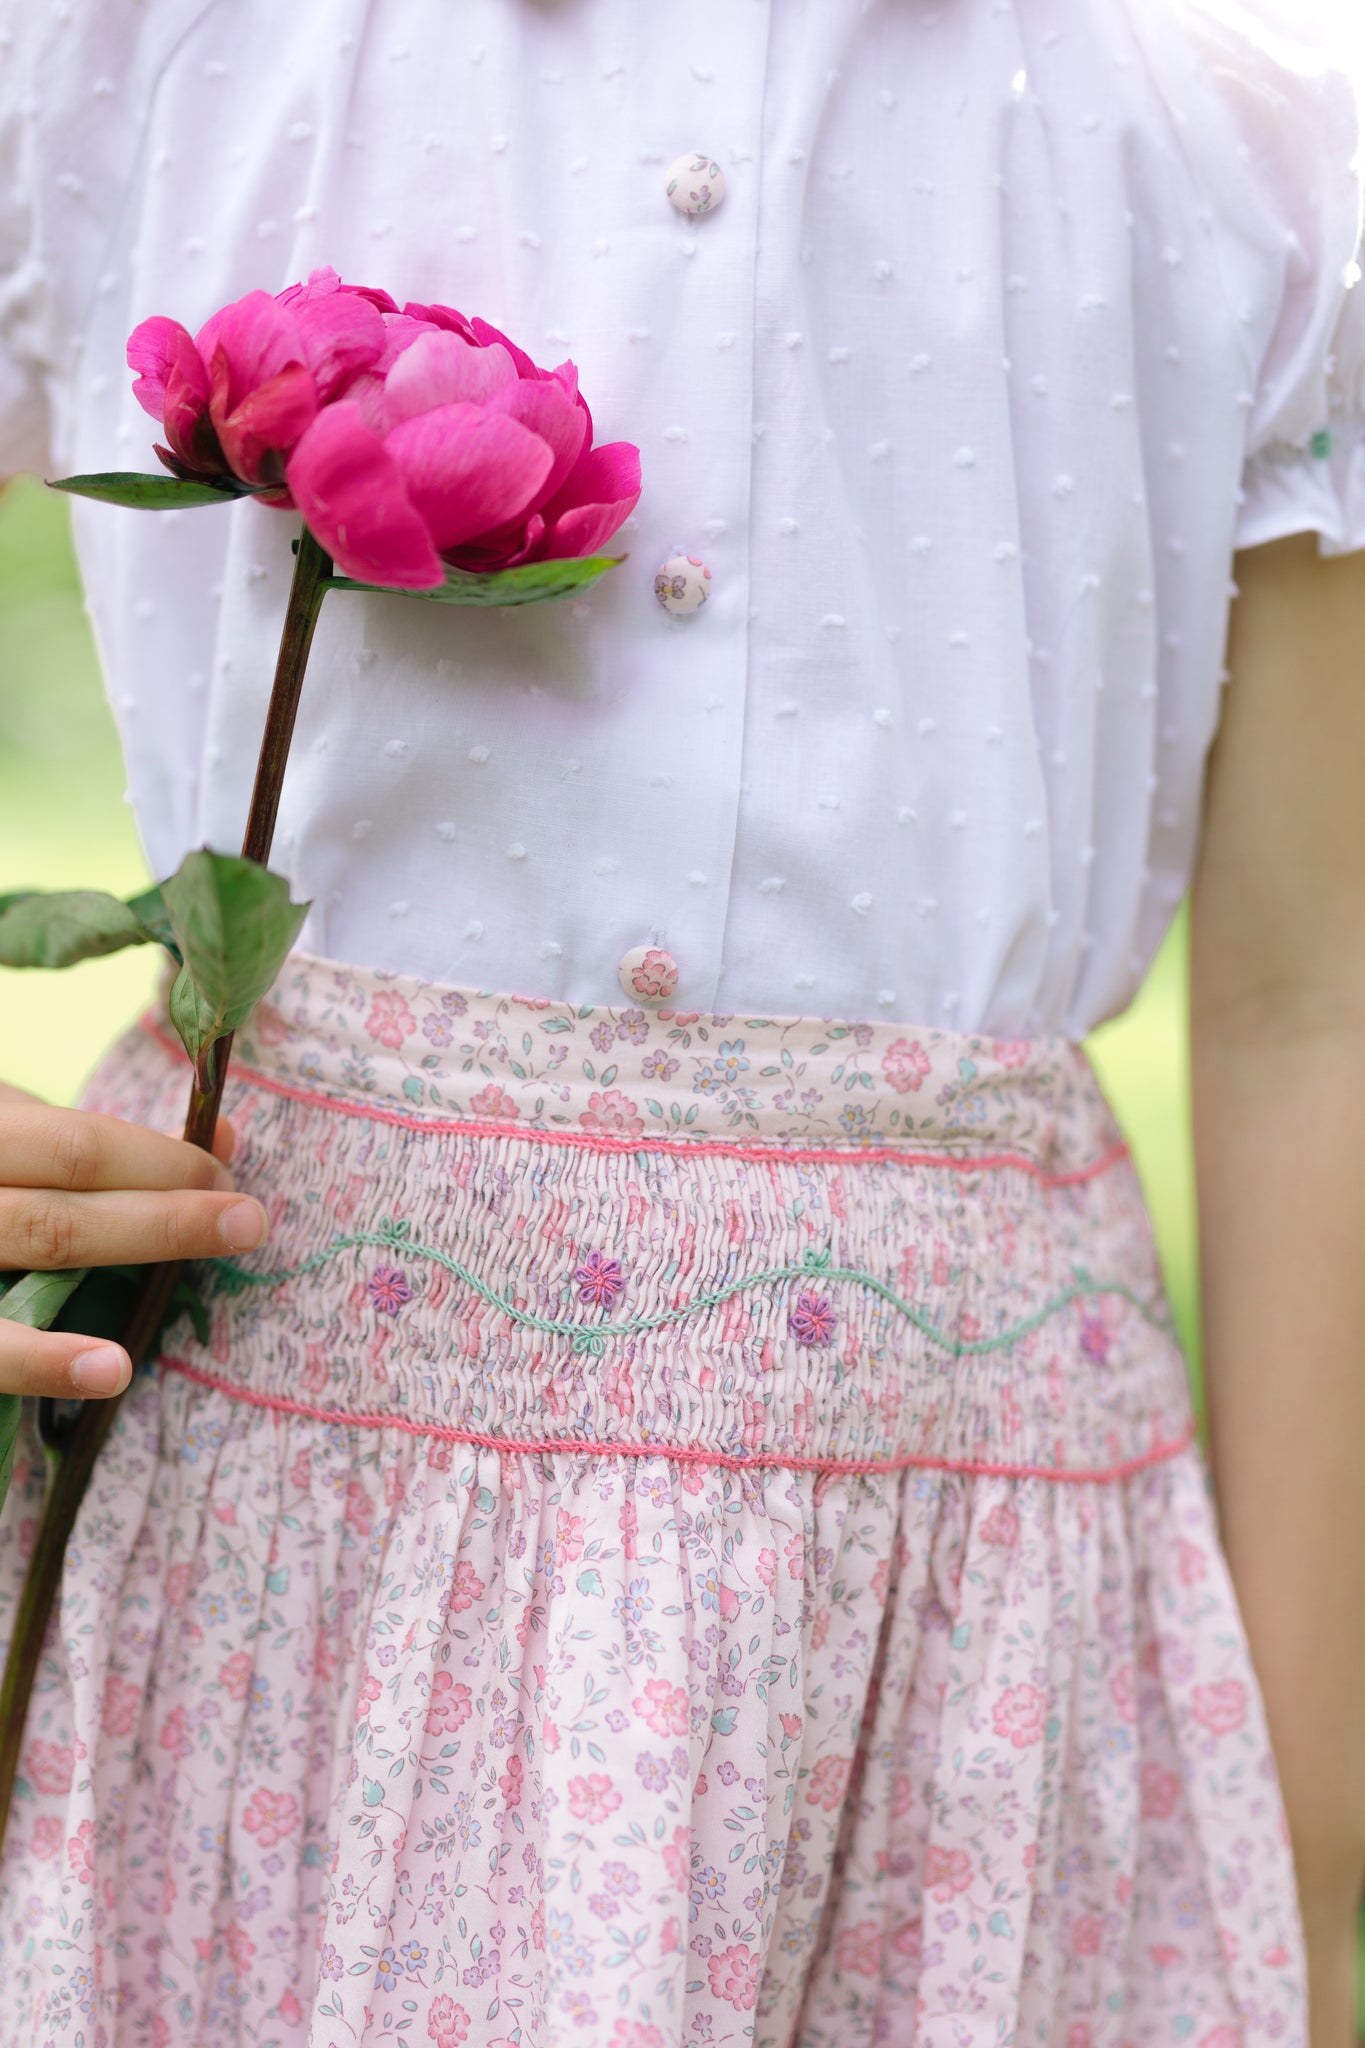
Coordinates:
[531,583]
[234,924]
[150,911]
[58,927]
[39,1298]
[151,493]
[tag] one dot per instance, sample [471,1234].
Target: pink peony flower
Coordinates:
[407,439]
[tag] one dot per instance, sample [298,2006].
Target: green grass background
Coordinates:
[64,823]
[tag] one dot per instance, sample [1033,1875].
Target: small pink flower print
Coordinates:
[792,1726]
[1087,1931]
[609,1110]
[656,976]
[449,1706]
[905,1064]
[79,1853]
[1222,2036]
[795,1553]
[1019,1714]
[47,1836]
[235,1675]
[859,1949]
[121,1707]
[494,1101]
[1191,1561]
[368,1693]
[734,1976]
[1001,1525]
[1011,1052]
[663,1706]
[239,1945]
[946,1871]
[678,1857]
[390,1020]
[177,1585]
[766,1568]
[290,2009]
[268,1026]
[359,1509]
[1159,1793]
[812,1319]
[593,1798]
[447,2023]
[388,1289]
[510,1783]
[908,1939]
[635,2034]
[599,1279]
[468,1586]
[1164,1954]
[1221,1707]
[50,1766]
[271,1816]
[1123,1690]
[827,1781]
[568,1537]
[1275,1958]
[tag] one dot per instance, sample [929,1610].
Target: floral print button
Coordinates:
[696,184]
[648,974]
[682,584]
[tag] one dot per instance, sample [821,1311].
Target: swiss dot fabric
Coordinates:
[649,1587]
[1015,320]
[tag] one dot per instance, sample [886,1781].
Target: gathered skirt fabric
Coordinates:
[690,1532]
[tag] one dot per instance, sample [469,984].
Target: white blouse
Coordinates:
[1013,322]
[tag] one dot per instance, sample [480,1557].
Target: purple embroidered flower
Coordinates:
[812,1319]
[388,1289]
[599,1279]
[634,1025]
[602,1037]
[436,1027]
[657,1065]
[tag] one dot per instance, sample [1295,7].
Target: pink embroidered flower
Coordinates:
[1019,1713]
[80,1853]
[388,1289]
[447,2022]
[121,1707]
[858,1949]
[468,1586]
[1001,1525]
[50,1766]
[593,1798]
[905,1064]
[47,1836]
[812,1319]
[1221,1707]
[235,1674]
[663,1707]
[493,1101]
[635,2034]
[450,1705]
[390,1020]
[599,1279]
[656,976]
[609,1110]
[827,1782]
[271,1816]
[734,1976]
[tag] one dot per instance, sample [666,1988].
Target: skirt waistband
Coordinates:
[614,1077]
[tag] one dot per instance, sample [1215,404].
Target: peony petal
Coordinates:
[469,470]
[342,336]
[154,348]
[259,433]
[256,339]
[582,530]
[609,475]
[441,369]
[547,411]
[352,498]
[400,332]
[487,335]
[188,426]
[441,316]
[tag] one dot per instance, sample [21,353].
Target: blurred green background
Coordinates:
[64,823]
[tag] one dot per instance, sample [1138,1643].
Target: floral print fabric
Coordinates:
[695,1585]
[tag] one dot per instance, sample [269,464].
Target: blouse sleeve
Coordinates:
[24,410]
[1295,199]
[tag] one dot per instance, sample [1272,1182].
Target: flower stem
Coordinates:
[71,1469]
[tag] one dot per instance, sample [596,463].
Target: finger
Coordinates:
[60,1363]
[46,1229]
[83,1150]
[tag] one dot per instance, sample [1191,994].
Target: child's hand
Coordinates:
[81,1189]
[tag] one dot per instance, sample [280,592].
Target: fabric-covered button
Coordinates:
[682,584]
[648,974]
[696,184]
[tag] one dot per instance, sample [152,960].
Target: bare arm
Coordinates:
[1277,1000]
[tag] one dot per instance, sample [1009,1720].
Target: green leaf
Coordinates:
[234,924]
[152,493]
[530,583]
[58,927]
[150,911]
[39,1298]
[11,1410]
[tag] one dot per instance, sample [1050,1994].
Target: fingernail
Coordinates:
[224,1179]
[243,1226]
[99,1372]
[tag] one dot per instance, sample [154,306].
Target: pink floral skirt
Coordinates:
[689,1532]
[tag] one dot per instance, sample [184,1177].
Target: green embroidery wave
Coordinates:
[592,1339]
